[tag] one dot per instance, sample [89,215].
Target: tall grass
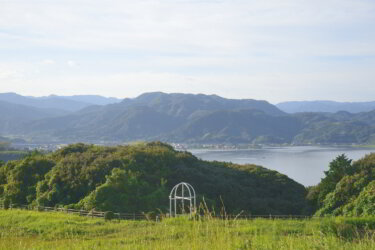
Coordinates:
[49,230]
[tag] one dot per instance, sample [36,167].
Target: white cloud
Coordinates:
[274,87]
[10,72]
[218,26]
[48,61]
[5,74]
[72,63]
[268,49]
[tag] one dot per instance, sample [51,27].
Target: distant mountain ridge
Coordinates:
[188,118]
[11,115]
[325,106]
[182,105]
[147,117]
[60,103]
[93,99]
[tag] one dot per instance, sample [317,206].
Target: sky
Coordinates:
[271,49]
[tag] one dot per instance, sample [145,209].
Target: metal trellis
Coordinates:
[182,192]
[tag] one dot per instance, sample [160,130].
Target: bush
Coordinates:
[347,228]
[6,203]
[338,228]
[109,215]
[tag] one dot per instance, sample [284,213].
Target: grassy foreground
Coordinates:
[56,230]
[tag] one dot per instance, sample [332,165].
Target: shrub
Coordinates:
[347,228]
[109,215]
[6,203]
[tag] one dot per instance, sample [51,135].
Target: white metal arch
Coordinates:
[174,197]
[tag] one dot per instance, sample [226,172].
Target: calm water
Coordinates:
[304,164]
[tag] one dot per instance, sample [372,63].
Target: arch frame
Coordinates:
[174,198]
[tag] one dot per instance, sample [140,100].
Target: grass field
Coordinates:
[21,229]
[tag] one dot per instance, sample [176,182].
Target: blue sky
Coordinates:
[272,50]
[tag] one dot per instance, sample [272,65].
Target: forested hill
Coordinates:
[348,188]
[138,178]
[188,118]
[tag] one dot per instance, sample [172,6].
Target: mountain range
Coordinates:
[184,118]
[325,106]
[58,104]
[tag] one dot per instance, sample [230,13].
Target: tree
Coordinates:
[338,168]
[125,191]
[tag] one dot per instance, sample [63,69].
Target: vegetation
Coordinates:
[52,230]
[347,189]
[138,178]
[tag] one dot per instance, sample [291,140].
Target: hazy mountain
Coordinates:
[326,106]
[106,123]
[13,115]
[184,105]
[341,127]
[54,102]
[149,116]
[93,99]
[199,119]
[238,126]
[61,104]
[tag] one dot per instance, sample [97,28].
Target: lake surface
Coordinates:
[304,164]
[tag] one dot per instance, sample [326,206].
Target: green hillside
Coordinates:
[138,178]
[347,189]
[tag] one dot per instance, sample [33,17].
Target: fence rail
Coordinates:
[143,216]
[92,213]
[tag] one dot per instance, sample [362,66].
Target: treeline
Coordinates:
[348,188]
[138,178]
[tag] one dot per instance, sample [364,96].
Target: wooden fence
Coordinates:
[92,213]
[145,216]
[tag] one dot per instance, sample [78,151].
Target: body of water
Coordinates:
[304,164]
